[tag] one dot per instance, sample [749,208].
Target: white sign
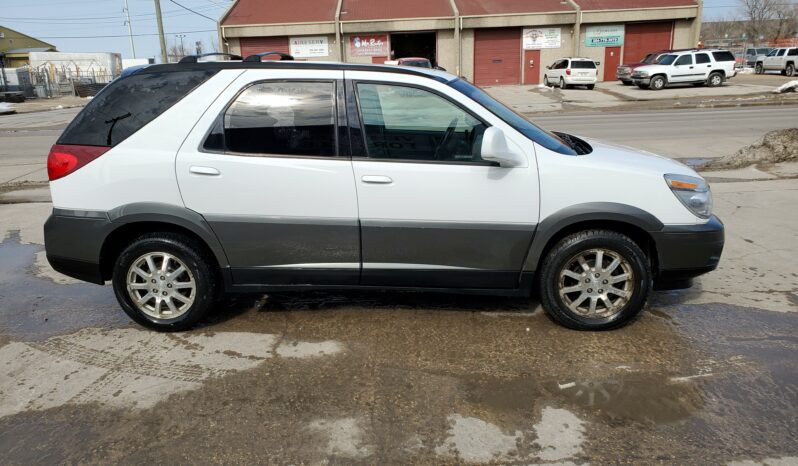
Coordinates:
[548,38]
[607,35]
[309,47]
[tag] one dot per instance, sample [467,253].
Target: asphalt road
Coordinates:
[690,133]
[705,376]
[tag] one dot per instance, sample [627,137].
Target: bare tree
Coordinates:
[786,24]
[758,14]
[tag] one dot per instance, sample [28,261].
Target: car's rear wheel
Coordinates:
[790,70]
[658,83]
[595,280]
[715,79]
[165,281]
[562,83]
[590,87]
[759,69]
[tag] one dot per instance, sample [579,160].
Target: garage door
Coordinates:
[253,45]
[642,38]
[497,56]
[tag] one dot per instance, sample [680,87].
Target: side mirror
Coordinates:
[548,67]
[598,63]
[495,149]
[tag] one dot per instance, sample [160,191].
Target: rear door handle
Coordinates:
[376,179]
[208,171]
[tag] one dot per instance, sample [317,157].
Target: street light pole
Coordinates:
[159,20]
[130,30]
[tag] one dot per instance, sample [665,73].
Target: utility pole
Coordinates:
[130,30]
[182,49]
[158,18]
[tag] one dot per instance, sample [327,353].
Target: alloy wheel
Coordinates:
[161,286]
[596,283]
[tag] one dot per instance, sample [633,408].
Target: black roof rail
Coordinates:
[257,57]
[195,58]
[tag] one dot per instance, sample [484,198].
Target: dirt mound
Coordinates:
[775,146]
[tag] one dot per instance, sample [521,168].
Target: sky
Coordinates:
[99,26]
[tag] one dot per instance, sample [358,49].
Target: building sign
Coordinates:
[309,47]
[608,35]
[369,45]
[548,38]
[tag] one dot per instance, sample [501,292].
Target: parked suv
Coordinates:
[752,54]
[567,72]
[783,59]
[624,72]
[181,182]
[710,67]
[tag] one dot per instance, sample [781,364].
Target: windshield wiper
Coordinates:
[113,122]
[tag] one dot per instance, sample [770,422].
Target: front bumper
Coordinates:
[687,251]
[639,80]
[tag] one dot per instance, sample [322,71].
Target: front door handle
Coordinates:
[207,171]
[376,179]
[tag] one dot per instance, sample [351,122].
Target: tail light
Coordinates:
[65,159]
[568,71]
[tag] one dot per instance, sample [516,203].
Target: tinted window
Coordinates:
[583,64]
[667,59]
[684,60]
[649,58]
[414,124]
[292,118]
[701,58]
[127,104]
[519,123]
[793,52]
[723,56]
[780,53]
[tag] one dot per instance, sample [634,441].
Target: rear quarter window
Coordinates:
[723,56]
[128,104]
[583,64]
[793,53]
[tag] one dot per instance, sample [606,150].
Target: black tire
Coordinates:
[563,252]
[546,81]
[642,86]
[759,68]
[590,87]
[562,83]
[627,83]
[194,258]
[658,83]
[790,70]
[715,79]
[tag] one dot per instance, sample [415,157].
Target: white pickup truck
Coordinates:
[783,59]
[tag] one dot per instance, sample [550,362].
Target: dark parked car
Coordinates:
[752,53]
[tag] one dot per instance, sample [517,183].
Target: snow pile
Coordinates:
[745,70]
[791,86]
[543,87]
[6,108]
[776,146]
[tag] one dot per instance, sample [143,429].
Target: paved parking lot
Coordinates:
[705,376]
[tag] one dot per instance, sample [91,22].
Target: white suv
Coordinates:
[567,72]
[710,67]
[783,59]
[181,182]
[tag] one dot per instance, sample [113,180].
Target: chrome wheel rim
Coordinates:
[161,286]
[715,80]
[596,283]
[658,83]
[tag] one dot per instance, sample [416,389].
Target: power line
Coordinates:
[195,12]
[123,35]
[54,20]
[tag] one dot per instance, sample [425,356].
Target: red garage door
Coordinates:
[497,56]
[253,45]
[642,38]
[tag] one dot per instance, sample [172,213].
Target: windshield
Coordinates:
[649,58]
[667,59]
[519,123]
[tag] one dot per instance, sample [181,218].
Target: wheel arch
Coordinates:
[135,220]
[631,221]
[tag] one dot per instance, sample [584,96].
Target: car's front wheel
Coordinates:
[165,281]
[546,81]
[759,69]
[657,83]
[595,280]
[562,83]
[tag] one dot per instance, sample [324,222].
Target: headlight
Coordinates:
[642,74]
[693,192]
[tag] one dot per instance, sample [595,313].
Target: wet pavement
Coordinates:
[386,378]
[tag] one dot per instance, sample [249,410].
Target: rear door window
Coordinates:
[279,118]
[701,58]
[793,53]
[128,104]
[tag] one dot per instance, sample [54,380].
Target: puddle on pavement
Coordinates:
[33,307]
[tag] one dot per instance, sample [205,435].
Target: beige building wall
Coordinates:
[446,52]
[683,34]
[467,54]
[594,53]
[549,56]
